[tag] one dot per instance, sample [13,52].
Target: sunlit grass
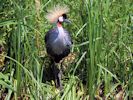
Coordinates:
[102,43]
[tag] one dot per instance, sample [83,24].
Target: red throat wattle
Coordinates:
[59,24]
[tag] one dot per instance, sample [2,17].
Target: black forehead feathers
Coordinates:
[64,16]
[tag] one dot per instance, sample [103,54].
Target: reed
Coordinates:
[102,41]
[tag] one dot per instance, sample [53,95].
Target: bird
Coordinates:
[58,41]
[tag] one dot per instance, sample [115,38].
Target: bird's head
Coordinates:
[63,18]
[58,14]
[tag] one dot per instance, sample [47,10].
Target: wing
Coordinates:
[49,38]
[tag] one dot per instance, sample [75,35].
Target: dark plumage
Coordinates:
[57,48]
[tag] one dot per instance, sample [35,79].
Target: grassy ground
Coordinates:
[102,51]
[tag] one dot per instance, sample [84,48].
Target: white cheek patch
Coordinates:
[60,19]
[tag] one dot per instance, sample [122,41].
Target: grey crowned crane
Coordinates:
[57,40]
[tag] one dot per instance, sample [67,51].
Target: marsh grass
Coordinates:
[102,41]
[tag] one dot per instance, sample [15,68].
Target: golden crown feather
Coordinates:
[54,13]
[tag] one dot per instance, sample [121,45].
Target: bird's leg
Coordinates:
[57,74]
[59,79]
[55,71]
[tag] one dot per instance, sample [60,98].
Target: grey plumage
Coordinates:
[58,46]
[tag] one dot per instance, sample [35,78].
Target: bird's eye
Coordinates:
[61,19]
[64,16]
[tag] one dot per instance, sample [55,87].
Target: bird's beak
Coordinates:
[67,21]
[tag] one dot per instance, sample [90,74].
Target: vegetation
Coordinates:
[102,51]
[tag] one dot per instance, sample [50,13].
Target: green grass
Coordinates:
[102,33]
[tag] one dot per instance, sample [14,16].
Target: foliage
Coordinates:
[102,33]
